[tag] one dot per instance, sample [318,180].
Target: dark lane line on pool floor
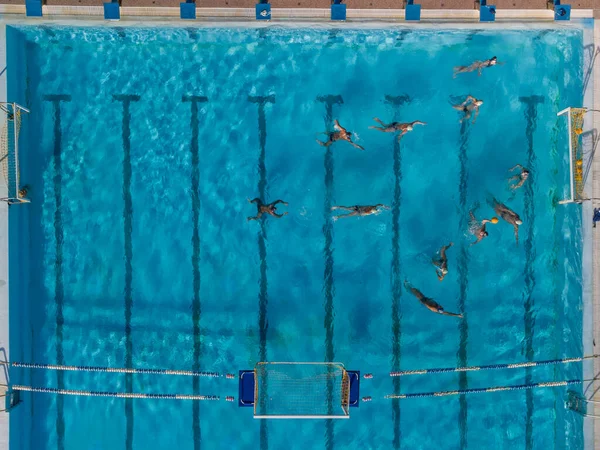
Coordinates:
[396,102]
[59,293]
[127,228]
[530,254]
[463,277]
[328,284]
[263,299]
[196,307]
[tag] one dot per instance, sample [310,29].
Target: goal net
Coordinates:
[287,390]
[575,129]
[10,127]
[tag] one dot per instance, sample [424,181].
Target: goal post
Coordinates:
[301,390]
[10,127]
[575,118]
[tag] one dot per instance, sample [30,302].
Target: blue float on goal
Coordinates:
[281,390]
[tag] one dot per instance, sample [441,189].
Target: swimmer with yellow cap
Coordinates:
[522,177]
[510,216]
[441,264]
[478,228]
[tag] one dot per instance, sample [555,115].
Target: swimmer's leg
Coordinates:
[467,116]
[345,208]
[254,200]
[276,202]
[341,216]
[324,144]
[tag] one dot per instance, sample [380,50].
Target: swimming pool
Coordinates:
[141,149]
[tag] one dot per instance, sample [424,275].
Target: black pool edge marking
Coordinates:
[59,287]
[531,103]
[263,299]
[396,284]
[196,306]
[463,272]
[328,286]
[128,247]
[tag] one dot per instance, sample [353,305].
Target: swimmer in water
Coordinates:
[442,262]
[468,106]
[341,134]
[266,209]
[510,216]
[522,177]
[403,128]
[476,66]
[429,303]
[359,210]
[478,228]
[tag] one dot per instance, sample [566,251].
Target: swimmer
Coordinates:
[396,126]
[478,228]
[468,106]
[522,177]
[429,303]
[476,66]
[510,216]
[266,209]
[341,134]
[442,262]
[359,210]
[23,191]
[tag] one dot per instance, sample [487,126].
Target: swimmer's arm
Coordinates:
[279,216]
[356,145]
[276,202]
[255,217]
[255,200]
[516,233]
[476,114]
[516,166]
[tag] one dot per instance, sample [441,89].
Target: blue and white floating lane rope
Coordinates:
[45,390]
[189,373]
[487,390]
[493,366]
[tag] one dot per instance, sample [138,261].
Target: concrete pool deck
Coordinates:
[135,12]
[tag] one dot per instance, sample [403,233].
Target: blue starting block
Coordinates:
[561,12]
[112,11]
[246,388]
[187,10]
[338,10]
[412,11]
[263,10]
[33,8]
[487,13]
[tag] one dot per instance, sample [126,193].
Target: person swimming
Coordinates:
[429,303]
[263,208]
[359,210]
[441,263]
[510,216]
[478,228]
[522,177]
[476,66]
[341,134]
[396,126]
[467,107]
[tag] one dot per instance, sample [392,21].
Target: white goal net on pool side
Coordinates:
[287,390]
[10,127]
[575,118]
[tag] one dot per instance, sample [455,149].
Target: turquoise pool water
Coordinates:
[135,250]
